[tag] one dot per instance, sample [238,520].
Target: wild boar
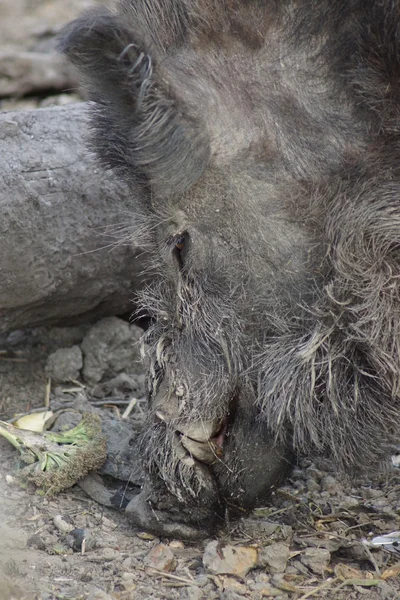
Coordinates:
[265,134]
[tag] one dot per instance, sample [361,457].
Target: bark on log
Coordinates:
[55,204]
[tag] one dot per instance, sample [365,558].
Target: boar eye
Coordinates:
[180,242]
[180,246]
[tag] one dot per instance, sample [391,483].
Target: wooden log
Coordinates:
[57,209]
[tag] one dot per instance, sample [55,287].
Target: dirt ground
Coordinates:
[310,542]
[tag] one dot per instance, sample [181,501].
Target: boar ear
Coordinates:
[139,126]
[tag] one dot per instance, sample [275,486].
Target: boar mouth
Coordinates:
[201,441]
[205,450]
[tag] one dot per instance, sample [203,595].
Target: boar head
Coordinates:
[247,125]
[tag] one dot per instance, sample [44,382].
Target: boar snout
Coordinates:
[201,439]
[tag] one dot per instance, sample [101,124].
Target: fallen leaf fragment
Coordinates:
[392,571]
[35,421]
[344,572]
[143,535]
[224,559]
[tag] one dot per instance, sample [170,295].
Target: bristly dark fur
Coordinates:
[144,124]
[267,133]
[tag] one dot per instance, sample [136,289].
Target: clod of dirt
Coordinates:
[64,364]
[161,558]
[316,559]
[36,541]
[223,559]
[111,346]
[274,557]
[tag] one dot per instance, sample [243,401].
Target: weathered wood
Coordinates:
[56,207]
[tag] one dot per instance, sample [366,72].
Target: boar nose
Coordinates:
[197,437]
[206,452]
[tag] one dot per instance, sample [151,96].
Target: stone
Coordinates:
[194,593]
[316,559]
[64,364]
[62,524]
[160,557]
[274,557]
[224,559]
[111,346]
[312,485]
[330,484]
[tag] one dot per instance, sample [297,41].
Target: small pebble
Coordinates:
[316,559]
[300,568]
[330,484]
[312,485]
[274,557]
[127,582]
[62,525]
[349,502]
[176,545]
[160,557]
[202,580]
[127,563]
[108,554]
[372,493]
[194,593]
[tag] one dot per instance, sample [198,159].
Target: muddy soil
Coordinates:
[310,542]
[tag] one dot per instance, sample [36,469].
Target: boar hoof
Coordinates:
[167,517]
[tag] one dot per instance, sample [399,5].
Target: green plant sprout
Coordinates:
[55,461]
